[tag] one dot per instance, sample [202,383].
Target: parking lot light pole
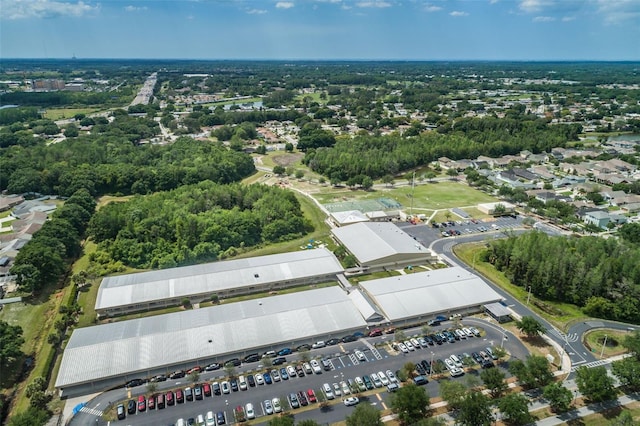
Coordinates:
[431,365]
[529,296]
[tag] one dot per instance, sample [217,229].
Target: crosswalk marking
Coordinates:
[572,337]
[92,411]
[373,350]
[354,359]
[592,364]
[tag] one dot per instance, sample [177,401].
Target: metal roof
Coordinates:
[371,241]
[366,308]
[144,287]
[424,293]
[126,347]
[497,309]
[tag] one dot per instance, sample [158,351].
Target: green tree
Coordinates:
[632,342]
[282,421]
[367,183]
[624,419]
[38,384]
[32,417]
[493,380]
[410,403]
[408,369]
[364,415]
[595,384]
[279,170]
[39,399]
[71,131]
[628,373]
[152,387]
[308,422]
[539,371]
[299,174]
[194,377]
[453,392]
[11,341]
[530,326]
[431,421]
[475,410]
[559,397]
[515,409]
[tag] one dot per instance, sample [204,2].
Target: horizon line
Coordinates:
[308,59]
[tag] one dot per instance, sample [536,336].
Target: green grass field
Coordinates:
[429,196]
[60,113]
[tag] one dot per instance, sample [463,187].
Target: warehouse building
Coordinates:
[145,291]
[417,298]
[97,358]
[379,245]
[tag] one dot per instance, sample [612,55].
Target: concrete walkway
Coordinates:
[588,410]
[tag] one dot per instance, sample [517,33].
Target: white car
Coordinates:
[225,387]
[268,407]
[461,334]
[315,365]
[376,380]
[403,348]
[383,378]
[352,400]
[457,361]
[345,388]
[210,419]
[360,384]
[468,332]
[259,379]
[291,371]
[392,377]
[475,331]
[450,364]
[423,342]
[318,345]
[275,375]
[277,408]
[307,368]
[455,371]
[251,414]
[415,343]
[360,356]
[336,389]
[409,346]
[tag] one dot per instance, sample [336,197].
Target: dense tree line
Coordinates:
[600,275]
[62,98]
[376,156]
[109,164]
[45,258]
[196,223]
[14,115]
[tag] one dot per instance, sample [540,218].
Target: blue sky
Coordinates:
[322,29]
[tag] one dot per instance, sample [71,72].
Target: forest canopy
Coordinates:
[600,275]
[196,223]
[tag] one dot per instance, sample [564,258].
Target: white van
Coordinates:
[242,382]
[211,420]
[326,388]
[251,414]
[180,422]
[200,420]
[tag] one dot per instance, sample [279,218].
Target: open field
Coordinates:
[60,113]
[557,313]
[430,196]
[595,341]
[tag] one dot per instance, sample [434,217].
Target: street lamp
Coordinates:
[504,337]
[529,296]
[603,346]
[431,365]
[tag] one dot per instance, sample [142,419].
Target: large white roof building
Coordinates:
[382,244]
[107,355]
[418,297]
[151,290]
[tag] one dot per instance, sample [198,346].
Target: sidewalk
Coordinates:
[588,410]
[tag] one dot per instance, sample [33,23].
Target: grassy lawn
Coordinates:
[557,313]
[106,199]
[605,418]
[5,214]
[59,113]
[595,341]
[315,97]
[373,276]
[433,196]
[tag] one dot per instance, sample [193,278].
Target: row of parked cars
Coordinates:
[438,338]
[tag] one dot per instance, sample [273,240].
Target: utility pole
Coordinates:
[529,296]
[603,346]
[413,185]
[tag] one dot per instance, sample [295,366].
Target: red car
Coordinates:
[151,403]
[142,403]
[206,389]
[169,398]
[375,332]
[196,369]
[311,396]
[179,396]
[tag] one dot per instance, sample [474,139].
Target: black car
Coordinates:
[216,388]
[487,363]
[438,339]
[251,380]
[433,323]
[234,385]
[233,361]
[121,412]
[252,358]
[158,378]
[349,338]
[304,347]
[135,382]
[131,406]
[188,393]
[426,365]
[177,374]
[332,342]
[278,361]
[429,340]
[220,418]
[213,367]
[420,369]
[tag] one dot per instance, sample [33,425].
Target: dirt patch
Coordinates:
[286,160]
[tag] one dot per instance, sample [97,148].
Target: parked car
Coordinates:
[135,382]
[326,365]
[318,345]
[278,361]
[275,375]
[142,403]
[267,378]
[367,382]
[151,402]
[284,351]
[360,384]
[284,374]
[169,398]
[360,356]
[268,407]
[220,419]
[311,396]
[216,388]
[131,406]
[177,374]
[179,396]
[234,362]
[161,401]
[196,369]
[206,389]
[121,412]
[302,399]
[349,338]
[251,414]
[251,358]
[158,378]
[332,342]
[302,348]
[375,332]
[293,400]
[350,401]
[315,365]
[188,393]
[197,392]
[277,407]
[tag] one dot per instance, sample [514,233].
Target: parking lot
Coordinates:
[346,362]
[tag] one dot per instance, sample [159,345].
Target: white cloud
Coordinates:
[432,8]
[285,5]
[493,1]
[131,8]
[25,9]
[457,13]
[256,11]
[618,11]
[544,19]
[374,3]
[532,6]
[568,18]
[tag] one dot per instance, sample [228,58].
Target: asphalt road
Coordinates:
[345,366]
